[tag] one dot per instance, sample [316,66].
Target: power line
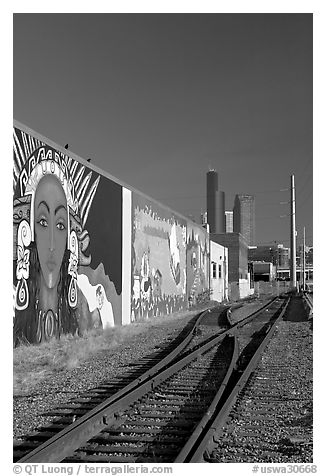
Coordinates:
[267,191]
[304,185]
[304,199]
[181,198]
[271,217]
[309,162]
[280,241]
[230,192]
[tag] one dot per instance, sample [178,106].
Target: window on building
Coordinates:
[214,270]
[219,270]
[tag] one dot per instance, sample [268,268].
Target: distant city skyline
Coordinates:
[244,217]
[231,92]
[215,203]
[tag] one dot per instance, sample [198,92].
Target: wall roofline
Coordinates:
[95,168]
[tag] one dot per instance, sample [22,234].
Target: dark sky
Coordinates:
[157,99]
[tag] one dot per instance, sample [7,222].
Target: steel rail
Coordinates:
[69,439]
[195,454]
[309,304]
[200,428]
[251,316]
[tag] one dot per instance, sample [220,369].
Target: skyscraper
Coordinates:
[244,217]
[215,204]
[228,222]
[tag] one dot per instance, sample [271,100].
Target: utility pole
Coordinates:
[277,257]
[293,268]
[276,270]
[304,259]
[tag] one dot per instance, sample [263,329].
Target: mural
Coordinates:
[89,253]
[198,263]
[158,281]
[67,259]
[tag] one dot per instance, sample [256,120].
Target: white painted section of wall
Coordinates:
[126,255]
[219,284]
[96,299]
[251,289]
[244,288]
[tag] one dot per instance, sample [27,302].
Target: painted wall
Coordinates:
[198,263]
[89,252]
[240,289]
[67,244]
[158,278]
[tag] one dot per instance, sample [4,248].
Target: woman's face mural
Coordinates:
[51,225]
[61,281]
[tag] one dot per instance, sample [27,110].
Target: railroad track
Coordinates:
[308,300]
[253,337]
[154,418]
[199,328]
[267,418]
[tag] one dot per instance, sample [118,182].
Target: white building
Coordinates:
[219,272]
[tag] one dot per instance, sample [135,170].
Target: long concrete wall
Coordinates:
[90,251]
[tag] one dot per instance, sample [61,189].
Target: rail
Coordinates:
[194,450]
[308,304]
[69,439]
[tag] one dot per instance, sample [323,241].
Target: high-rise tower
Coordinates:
[215,204]
[228,221]
[244,217]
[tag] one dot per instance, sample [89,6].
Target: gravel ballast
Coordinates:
[29,409]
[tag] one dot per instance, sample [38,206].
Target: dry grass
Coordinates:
[33,363]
